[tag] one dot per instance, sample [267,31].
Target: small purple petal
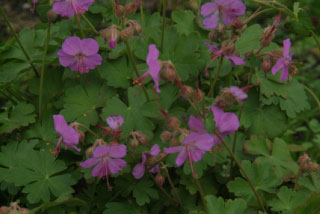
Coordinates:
[201,141]
[154,65]
[138,170]
[182,157]
[208,8]
[72,45]
[116,165]
[118,151]
[99,170]
[115,121]
[285,73]
[211,47]
[89,46]
[155,150]
[101,151]
[286,47]
[230,10]
[66,60]
[112,44]
[196,124]
[278,66]
[89,162]
[238,93]
[211,21]
[196,154]
[235,60]
[154,169]
[226,123]
[172,150]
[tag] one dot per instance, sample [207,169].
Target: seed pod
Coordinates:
[266,65]
[131,8]
[134,143]
[198,95]
[174,142]
[167,71]
[137,30]
[119,10]
[160,179]
[186,91]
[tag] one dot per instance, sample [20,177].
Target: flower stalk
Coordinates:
[211,91]
[90,24]
[164,9]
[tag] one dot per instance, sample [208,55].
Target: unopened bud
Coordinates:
[127,33]
[160,179]
[267,36]
[228,47]
[237,23]
[193,5]
[135,26]
[186,92]
[167,71]
[142,138]
[151,160]
[173,123]
[119,10]
[174,142]
[134,143]
[304,159]
[131,8]
[111,35]
[90,151]
[314,167]
[52,16]
[266,65]
[81,136]
[165,136]
[198,95]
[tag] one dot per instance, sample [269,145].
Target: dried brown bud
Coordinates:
[173,123]
[198,95]
[162,155]
[52,16]
[160,179]
[131,8]
[237,23]
[165,136]
[134,143]
[186,91]
[142,138]
[135,26]
[167,71]
[107,131]
[127,33]
[90,151]
[81,136]
[151,161]
[266,65]
[4,210]
[228,47]
[119,10]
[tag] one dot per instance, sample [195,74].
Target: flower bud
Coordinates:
[135,26]
[165,136]
[4,210]
[304,159]
[126,33]
[228,47]
[162,155]
[134,143]
[167,71]
[90,151]
[111,35]
[52,16]
[266,65]
[314,167]
[142,138]
[160,179]
[198,95]
[119,10]
[81,135]
[186,91]
[237,23]
[173,123]
[131,8]
[151,160]
[193,5]
[107,131]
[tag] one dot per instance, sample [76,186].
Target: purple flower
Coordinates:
[68,135]
[138,170]
[79,55]
[235,60]
[115,122]
[194,145]
[69,7]
[226,123]
[34,4]
[238,93]
[283,62]
[229,9]
[154,66]
[107,160]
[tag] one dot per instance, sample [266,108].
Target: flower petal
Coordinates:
[196,154]
[60,124]
[286,47]
[89,46]
[66,59]
[211,47]
[238,93]
[196,124]
[154,65]
[118,151]
[155,150]
[101,151]
[235,60]
[63,8]
[172,150]
[92,61]
[138,170]
[72,45]
[115,121]
[99,170]
[208,8]
[116,165]
[211,21]
[278,65]
[89,162]
[284,73]
[201,141]
[182,157]
[226,123]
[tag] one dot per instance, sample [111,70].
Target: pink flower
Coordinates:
[284,62]
[154,66]
[79,55]
[235,60]
[115,122]
[107,160]
[68,135]
[138,170]
[69,7]
[226,123]
[238,93]
[194,145]
[229,9]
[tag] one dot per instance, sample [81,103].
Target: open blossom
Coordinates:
[107,160]
[235,60]
[153,66]
[229,9]
[79,55]
[226,123]
[138,170]
[115,122]
[194,145]
[68,135]
[69,7]
[283,62]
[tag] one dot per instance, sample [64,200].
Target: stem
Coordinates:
[142,17]
[86,128]
[130,55]
[77,18]
[242,170]
[164,8]
[164,191]
[42,71]
[211,91]
[314,96]
[297,178]
[316,39]
[90,24]
[282,9]
[18,40]
[253,16]
[196,108]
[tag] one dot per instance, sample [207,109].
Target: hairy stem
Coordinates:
[164,9]
[142,17]
[130,55]
[19,42]
[77,18]
[211,91]
[314,96]
[242,170]
[86,128]
[282,8]
[297,179]
[90,24]
[316,39]
[42,72]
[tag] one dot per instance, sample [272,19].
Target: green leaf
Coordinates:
[120,208]
[118,73]
[200,166]
[143,191]
[11,71]
[185,21]
[287,200]
[262,176]
[218,206]
[249,40]
[311,207]
[80,103]
[21,115]
[135,114]
[265,120]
